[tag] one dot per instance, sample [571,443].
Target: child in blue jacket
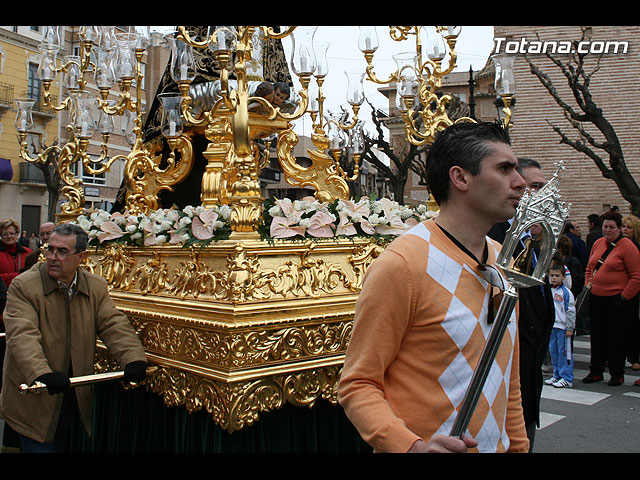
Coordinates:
[562,332]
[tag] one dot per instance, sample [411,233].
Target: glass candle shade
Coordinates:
[407,78]
[435,46]
[48,60]
[356,138]
[24,116]
[107,38]
[355,90]
[337,138]
[51,35]
[72,78]
[183,64]
[172,125]
[303,58]
[126,63]
[322,66]
[505,82]
[144,36]
[368,39]
[224,39]
[90,34]
[452,31]
[104,74]
[105,121]
[255,70]
[83,122]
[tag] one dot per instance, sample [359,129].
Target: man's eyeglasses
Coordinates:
[50,251]
[495,279]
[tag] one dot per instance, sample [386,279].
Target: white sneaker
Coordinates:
[562,383]
[551,381]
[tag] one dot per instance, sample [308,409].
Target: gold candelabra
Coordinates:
[231,123]
[98,47]
[234,160]
[419,75]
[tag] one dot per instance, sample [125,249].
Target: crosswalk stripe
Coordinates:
[547,419]
[571,395]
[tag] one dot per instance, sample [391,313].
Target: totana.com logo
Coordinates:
[524,46]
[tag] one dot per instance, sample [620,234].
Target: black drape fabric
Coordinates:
[138,421]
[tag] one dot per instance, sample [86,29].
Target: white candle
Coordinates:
[83,129]
[183,71]
[172,129]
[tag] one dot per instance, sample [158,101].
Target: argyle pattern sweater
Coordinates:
[419,330]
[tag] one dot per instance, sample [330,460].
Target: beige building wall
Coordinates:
[614,88]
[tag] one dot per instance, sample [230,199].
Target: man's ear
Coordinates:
[459,178]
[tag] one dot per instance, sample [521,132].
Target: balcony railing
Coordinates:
[6,95]
[29,173]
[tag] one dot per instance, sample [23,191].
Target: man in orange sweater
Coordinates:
[422,317]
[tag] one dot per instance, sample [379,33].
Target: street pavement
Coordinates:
[589,418]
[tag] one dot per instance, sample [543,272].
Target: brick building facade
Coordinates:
[614,89]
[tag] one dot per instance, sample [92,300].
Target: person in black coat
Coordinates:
[537,315]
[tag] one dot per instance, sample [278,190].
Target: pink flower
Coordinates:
[281,228]
[345,227]
[110,231]
[320,225]
[150,240]
[204,224]
[366,226]
[361,208]
[396,226]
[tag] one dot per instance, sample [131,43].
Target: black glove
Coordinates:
[135,371]
[56,382]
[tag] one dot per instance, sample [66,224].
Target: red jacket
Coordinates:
[12,261]
[619,274]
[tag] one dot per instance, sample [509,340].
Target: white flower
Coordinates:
[225,212]
[189,210]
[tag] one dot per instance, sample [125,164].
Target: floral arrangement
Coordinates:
[193,225]
[309,218]
[305,218]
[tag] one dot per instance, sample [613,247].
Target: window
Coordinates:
[89,179]
[33,83]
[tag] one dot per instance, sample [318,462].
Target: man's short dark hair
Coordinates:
[283,87]
[528,163]
[67,229]
[594,218]
[464,145]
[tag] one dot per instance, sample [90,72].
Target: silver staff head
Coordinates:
[543,207]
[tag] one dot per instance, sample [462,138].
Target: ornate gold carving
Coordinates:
[321,175]
[238,405]
[145,178]
[116,265]
[240,328]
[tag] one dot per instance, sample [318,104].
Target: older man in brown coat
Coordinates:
[54,313]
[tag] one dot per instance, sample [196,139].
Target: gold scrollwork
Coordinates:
[115,266]
[145,177]
[321,175]
[234,406]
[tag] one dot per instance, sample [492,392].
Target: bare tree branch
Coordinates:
[589,113]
